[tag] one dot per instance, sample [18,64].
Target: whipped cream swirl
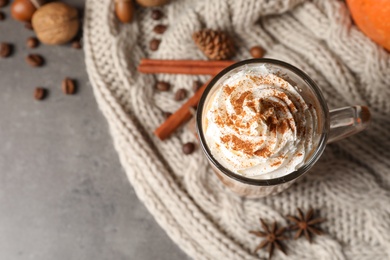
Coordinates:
[258,125]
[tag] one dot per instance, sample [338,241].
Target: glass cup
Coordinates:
[331,126]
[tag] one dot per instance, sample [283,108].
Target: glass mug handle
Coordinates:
[347,121]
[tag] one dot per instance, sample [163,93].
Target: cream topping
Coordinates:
[258,125]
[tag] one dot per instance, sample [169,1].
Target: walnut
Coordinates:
[55,23]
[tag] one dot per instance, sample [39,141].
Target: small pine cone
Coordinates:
[216,45]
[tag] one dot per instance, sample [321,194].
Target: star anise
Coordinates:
[305,224]
[272,237]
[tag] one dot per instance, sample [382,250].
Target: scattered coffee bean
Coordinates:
[68,86]
[257,52]
[196,85]
[35,60]
[160,28]
[180,94]
[5,50]
[156,14]
[3,3]
[76,44]
[2,16]
[188,148]
[167,114]
[32,42]
[40,93]
[153,45]
[28,26]
[163,86]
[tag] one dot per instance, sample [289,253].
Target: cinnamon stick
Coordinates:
[192,67]
[180,116]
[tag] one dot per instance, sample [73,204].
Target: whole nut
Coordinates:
[124,10]
[22,10]
[68,86]
[55,23]
[257,52]
[149,3]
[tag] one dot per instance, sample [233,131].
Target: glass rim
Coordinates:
[290,176]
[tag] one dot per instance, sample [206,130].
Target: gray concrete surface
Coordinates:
[63,193]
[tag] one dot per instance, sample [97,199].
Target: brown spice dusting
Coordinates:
[247,147]
[263,152]
[283,126]
[251,105]
[241,145]
[276,163]
[225,139]
[228,90]
[239,102]
[271,112]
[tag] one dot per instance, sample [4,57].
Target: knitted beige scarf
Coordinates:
[350,185]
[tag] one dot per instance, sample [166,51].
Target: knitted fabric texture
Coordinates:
[349,185]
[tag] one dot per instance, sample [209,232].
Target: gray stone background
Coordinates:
[63,193]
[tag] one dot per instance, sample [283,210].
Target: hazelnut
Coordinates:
[124,10]
[22,10]
[56,23]
[149,3]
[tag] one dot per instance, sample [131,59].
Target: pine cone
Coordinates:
[216,45]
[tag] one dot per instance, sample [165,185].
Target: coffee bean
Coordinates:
[188,148]
[163,86]
[257,52]
[32,42]
[2,16]
[3,3]
[76,44]
[5,50]
[35,60]
[40,93]
[28,26]
[153,45]
[160,28]
[180,94]
[167,114]
[196,85]
[156,14]
[68,86]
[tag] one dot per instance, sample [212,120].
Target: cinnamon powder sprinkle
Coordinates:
[263,152]
[238,103]
[228,90]
[276,163]
[266,110]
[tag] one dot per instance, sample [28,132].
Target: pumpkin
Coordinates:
[373,19]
